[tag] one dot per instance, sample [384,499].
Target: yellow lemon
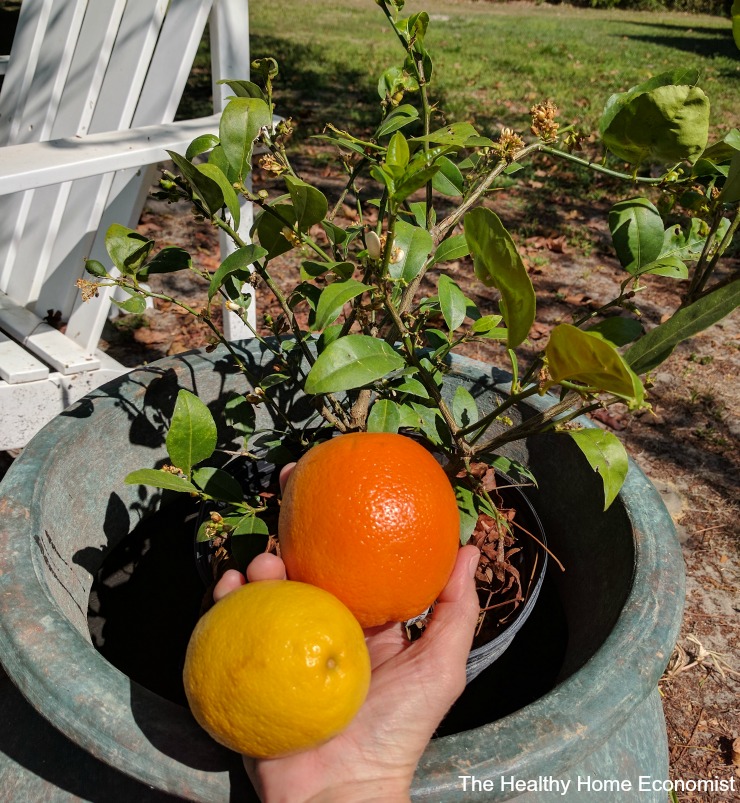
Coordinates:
[276,667]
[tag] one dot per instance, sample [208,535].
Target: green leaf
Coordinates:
[413,387]
[457,134]
[201,144]
[244,89]
[398,118]
[398,151]
[311,269]
[95,268]
[658,119]
[309,204]
[606,455]
[333,298]
[452,301]
[488,326]
[240,415]
[127,248]
[637,233]
[512,468]
[192,434]
[384,417]
[415,245]
[666,266]
[217,483]
[269,229]
[160,479]
[617,330]
[231,200]
[248,540]
[203,186]
[464,407]
[412,181]
[586,357]
[241,122]
[467,510]
[731,191]
[449,180]
[240,259]
[351,362]
[134,305]
[658,344]
[498,264]
[455,247]
[168,260]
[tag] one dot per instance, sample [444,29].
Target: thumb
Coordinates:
[449,636]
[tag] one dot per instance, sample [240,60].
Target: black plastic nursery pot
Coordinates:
[574,699]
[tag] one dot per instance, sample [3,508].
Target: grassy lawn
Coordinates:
[493,61]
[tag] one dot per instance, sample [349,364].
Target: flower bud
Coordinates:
[373,245]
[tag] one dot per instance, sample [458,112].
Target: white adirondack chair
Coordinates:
[86,111]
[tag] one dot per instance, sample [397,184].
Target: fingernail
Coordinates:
[473,565]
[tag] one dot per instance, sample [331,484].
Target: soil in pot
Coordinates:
[148,594]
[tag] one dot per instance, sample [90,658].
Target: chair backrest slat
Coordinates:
[116,52]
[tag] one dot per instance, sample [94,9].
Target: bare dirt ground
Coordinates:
[688,444]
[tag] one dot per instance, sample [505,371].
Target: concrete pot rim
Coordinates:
[43,652]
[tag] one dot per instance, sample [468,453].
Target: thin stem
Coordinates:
[599,168]
[721,248]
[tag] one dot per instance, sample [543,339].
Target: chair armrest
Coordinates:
[38,164]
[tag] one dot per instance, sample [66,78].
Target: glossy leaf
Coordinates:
[127,248]
[95,268]
[240,415]
[398,118]
[455,247]
[452,301]
[352,362]
[384,417]
[415,244]
[731,190]
[398,151]
[240,259]
[201,144]
[467,511]
[464,407]
[590,359]
[241,123]
[666,118]
[333,298]
[231,199]
[617,330]
[449,180]
[218,483]
[413,387]
[169,260]
[457,134]
[133,306]
[192,434]
[637,232]
[606,455]
[658,344]
[160,479]
[203,186]
[413,181]
[309,204]
[498,264]
[269,229]
[244,89]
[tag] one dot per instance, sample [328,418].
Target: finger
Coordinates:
[265,567]
[450,633]
[230,581]
[285,472]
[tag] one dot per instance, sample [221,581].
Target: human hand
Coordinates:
[413,685]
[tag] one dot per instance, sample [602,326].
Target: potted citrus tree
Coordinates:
[357,347]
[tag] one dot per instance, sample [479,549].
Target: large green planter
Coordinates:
[64,507]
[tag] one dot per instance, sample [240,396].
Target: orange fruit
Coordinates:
[372,518]
[276,667]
